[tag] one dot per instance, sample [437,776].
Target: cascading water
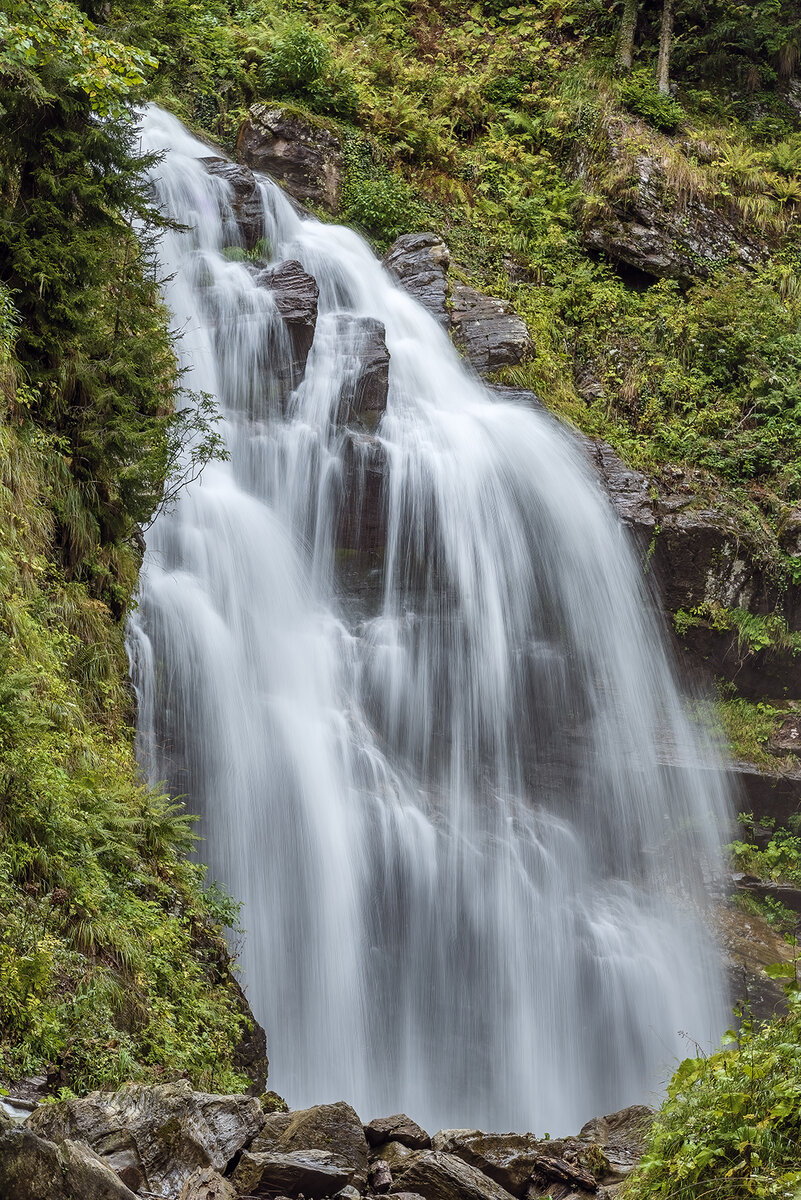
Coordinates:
[471,880]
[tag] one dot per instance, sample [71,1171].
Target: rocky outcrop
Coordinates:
[296,294]
[314,1173]
[419,262]
[305,159]
[363,397]
[399,1128]
[34,1168]
[361,523]
[207,1184]
[154,1137]
[655,227]
[487,330]
[244,197]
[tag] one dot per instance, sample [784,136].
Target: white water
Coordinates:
[471,887]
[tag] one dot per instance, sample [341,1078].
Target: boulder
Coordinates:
[622,1136]
[207,1184]
[653,228]
[315,1173]
[439,1176]
[487,330]
[787,738]
[296,295]
[244,196]
[154,1137]
[396,1156]
[419,262]
[362,515]
[334,1129]
[305,159]
[33,1168]
[508,1158]
[399,1128]
[363,398]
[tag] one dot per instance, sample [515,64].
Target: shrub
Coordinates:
[639,94]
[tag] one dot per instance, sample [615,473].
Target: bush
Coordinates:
[639,94]
[296,63]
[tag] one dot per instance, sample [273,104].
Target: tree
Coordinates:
[665,42]
[625,43]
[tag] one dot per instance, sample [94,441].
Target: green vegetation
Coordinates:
[731,1124]
[112,960]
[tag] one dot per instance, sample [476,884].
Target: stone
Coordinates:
[629,491]
[654,229]
[315,1173]
[508,1158]
[363,397]
[399,1128]
[623,1137]
[362,514]
[305,159]
[348,1193]
[207,1184]
[787,738]
[487,330]
[379,1177]
[395,1155]
[419,262]
[296,294]
[34,1168]
[154,1137]
[331,1128]
[244,197]
[439,1176]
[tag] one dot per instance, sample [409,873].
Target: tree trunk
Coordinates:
[625,42]
[665,39]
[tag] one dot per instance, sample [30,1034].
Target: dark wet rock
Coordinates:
[750,944]
[419,262]
[379,1177]
[362,514]
[296,294]
[773,796]
[306,159]
[439,1176]
[561,1170]
[508,1158]
[764,889]
[154,1137]
[790,536]
[250,1055]
[630,491]
[332,1128]
[315,1173]
[33,1168]
[207,1184]
[399,1128]
[657,231]
[488,331]
[363,399]
[245,198]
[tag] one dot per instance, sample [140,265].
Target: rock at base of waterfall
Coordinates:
[207,1184]
[363,398]
[315,1173]
[245,198]
[332,1128]
[296,295]
[305,159]
[487,330]
[396,1156]
[362,516]
[787,738]
[622,1136]
[508,1158]
[154,1137]
[438,1176]
[33,1168]
[379,1177]
[419,262]
[399,1128]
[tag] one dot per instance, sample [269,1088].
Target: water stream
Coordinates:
[472,886]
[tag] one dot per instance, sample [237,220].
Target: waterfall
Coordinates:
[449,776]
